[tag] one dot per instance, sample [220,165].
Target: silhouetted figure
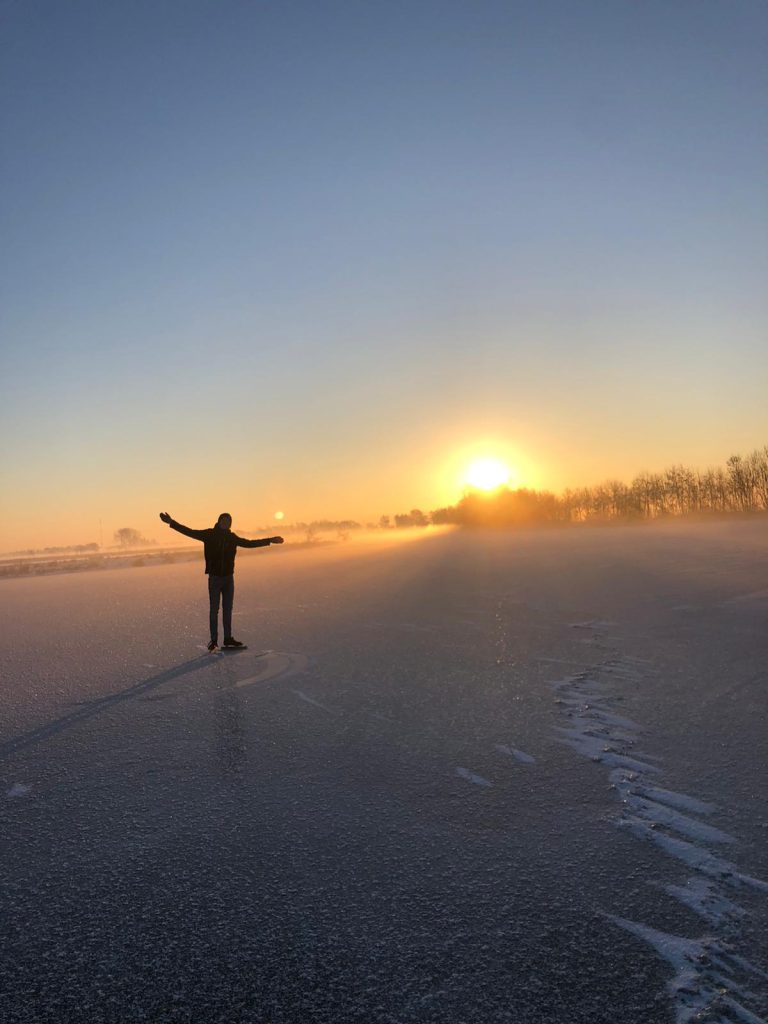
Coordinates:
[220,549]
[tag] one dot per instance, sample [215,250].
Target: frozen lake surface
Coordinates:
[463,778]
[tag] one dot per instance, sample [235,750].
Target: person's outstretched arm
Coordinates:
[262,543]
[186,530]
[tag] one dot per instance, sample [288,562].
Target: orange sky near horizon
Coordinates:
[247,267]
[91,506]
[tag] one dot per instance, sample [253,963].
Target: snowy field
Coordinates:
[463,778]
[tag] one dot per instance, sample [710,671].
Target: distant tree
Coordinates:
[413,518]
[681,490]
[445,516]
[504,507]
[742,478]
[127,537]
[714,490]
[641,494]
[759,463]
[659,499]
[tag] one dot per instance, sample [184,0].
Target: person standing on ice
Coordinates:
[220,549]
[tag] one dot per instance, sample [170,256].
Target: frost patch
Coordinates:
[678,822]
[18,789]
[704,979]
[694,856]
[705,899]
[710,980]
[681,801]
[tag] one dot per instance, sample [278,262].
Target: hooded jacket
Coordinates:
[220,546]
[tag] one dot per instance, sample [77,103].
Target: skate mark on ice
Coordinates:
[564,661]
[519,755]
[410,627]
[89,709]
[710,981]
[477,780]
[595,642]
[382,718]
[273,665]
[757,597]
[311,700]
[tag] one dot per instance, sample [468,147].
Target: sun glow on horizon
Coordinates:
[487,474]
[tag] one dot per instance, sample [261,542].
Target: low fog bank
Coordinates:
[84,558]
[742,528]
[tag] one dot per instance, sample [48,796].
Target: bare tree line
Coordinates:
[740,486]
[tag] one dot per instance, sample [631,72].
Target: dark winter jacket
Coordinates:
[220,547]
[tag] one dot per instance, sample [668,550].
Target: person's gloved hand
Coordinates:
[276,540]
[165,517]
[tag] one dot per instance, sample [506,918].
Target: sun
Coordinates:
[487,474]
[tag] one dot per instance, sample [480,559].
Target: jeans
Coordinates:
[221,587]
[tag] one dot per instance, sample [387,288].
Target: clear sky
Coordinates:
[314,256]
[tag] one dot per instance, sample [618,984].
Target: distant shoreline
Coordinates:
[32,566]
[47,564]
[24,566]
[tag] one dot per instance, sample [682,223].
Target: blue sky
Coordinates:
[307,255]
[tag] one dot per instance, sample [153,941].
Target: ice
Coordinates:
[376,813]
[655,813]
